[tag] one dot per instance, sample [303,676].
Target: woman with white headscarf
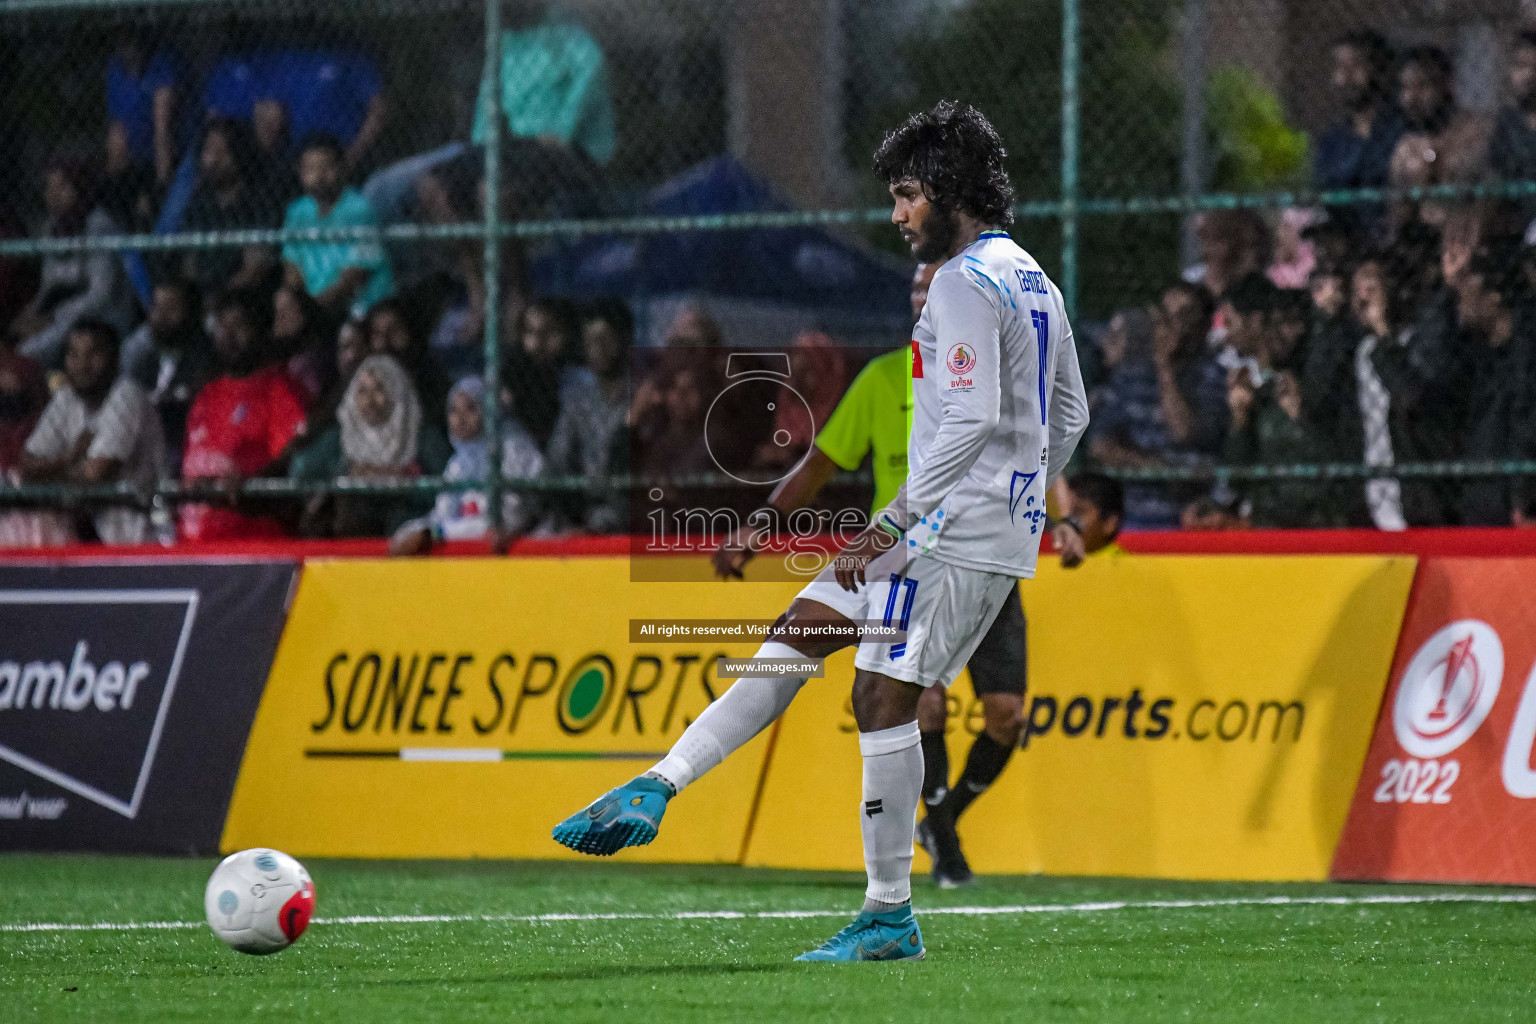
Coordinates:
[461,514]
[380,433]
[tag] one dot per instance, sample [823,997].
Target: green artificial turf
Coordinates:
[1433,962]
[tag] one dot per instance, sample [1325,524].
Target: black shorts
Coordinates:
[1000,664]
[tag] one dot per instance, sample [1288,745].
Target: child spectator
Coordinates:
[169,357]
[591,420]
[97,428]
[242,424]
[1098,505]
[379,433]
[461,514]
[339,274]
[74,286]
[232,195]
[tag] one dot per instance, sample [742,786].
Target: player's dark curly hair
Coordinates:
[957,156]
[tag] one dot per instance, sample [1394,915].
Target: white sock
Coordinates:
[745,710]
[893,785]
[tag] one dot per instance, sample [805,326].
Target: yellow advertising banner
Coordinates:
[1187,717]
[460,708]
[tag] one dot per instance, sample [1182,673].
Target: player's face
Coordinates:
[929,229]
[921,279]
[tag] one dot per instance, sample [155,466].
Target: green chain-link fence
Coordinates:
[1151,141]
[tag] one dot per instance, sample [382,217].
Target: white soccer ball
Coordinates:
[259,901]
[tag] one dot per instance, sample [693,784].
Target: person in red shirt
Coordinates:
[243,423]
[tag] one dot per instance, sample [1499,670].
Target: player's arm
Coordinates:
[1068,416]
[842,444]
[797,490]
[962,307]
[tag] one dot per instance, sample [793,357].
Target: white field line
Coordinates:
[1377,899]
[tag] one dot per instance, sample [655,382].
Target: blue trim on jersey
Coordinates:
[993,234]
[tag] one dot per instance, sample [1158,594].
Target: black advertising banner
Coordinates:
[127,692]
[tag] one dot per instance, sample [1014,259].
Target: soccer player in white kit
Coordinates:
[999,409]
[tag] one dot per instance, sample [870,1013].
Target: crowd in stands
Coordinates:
[1375,334]
[314,359]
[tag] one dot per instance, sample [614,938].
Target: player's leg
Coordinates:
[886,929]
[631,814]
[945,611]
[999,675]
[932,722]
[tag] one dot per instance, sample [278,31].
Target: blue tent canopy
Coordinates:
[803,267]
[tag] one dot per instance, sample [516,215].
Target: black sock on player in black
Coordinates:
[984,764]
[935,767]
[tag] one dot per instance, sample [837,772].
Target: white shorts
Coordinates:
[945,609]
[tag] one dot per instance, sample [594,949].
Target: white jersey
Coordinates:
[999,409]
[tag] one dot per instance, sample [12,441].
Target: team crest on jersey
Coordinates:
[961,359]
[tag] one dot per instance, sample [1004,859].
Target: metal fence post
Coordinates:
[1192,161]
[490,88]
[1071,62]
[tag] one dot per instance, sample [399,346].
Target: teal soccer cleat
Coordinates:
[888,935]
[627,816]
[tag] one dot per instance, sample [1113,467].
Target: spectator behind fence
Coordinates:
[23,394]
[339,274]
[818,375]
[1441,144]
[1498,344]
[336,92]
[1295,255]
[1408,398]
[170,358]
[243,424]
[1098,505]
[1356,150]
[538,370]
[1233,244]
[1167,408]
[395,329]
[591,422]
[350,351]
[559,132]
[98,428]
[1512,149]
[231,195]
[18,275]
[74,286]
[1267,424]
[461,515]
[380,433]
[146,112]
[303,336]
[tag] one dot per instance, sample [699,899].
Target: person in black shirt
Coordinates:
[232,194]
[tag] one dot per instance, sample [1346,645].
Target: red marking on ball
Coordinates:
[295,915]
